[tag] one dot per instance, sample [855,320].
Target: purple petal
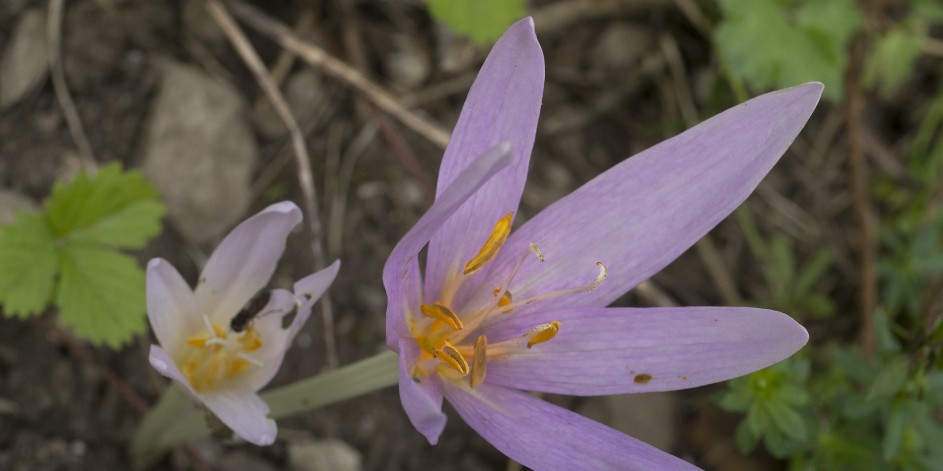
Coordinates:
[624,350]
[244,261]
[170,308]
[502,106]
[401,272]
[166,367]
[245,413]
[421,398]
[643,213]
[543,436]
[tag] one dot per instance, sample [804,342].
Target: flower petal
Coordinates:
[308,291]
[624,350]
[502,106]
[170,308]
[244,261]
[245,413]
[165,365]
[542,436]
[421,398]
[401,272]
[643,213]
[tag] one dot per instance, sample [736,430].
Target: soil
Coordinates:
[612,89]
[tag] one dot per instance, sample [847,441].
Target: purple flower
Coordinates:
[221,364]
[497,313]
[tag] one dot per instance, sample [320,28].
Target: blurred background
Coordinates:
[845,234]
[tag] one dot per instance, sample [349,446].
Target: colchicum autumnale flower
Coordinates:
[497,313]
[221,365]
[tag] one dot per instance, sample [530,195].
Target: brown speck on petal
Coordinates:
[643,378]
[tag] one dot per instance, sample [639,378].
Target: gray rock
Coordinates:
[304,93]
[621,46]
[408,66]
[199,152]
[11,203]
[323,455]
[24,62]
[650,417]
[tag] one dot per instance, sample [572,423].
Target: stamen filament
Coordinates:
[587,288]
[499,234]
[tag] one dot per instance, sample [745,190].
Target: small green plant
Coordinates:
[69,254]
[778,43]
[481,20]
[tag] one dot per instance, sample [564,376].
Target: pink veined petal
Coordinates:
[245,413]
[643,213]
[170,308]
[401,271]
[244,261]
[165,365]
[422,399]
[626,350]
[542,436]
[502,106]
[308,291]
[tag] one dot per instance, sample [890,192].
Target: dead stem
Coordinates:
[305,174]
[320,59]
[61,89]
[859,186]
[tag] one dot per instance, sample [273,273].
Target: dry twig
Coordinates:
[72,119]
[320,59]
[305,178]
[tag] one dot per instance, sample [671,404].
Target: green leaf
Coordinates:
[111,208]
[745,438]
[779,43]
[482,20]
[27,265]
[101,294]
[786,419]
[892,58]
[890,379]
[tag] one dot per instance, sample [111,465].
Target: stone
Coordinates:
[650,417]
[323,455]
[11,203]
[25,61]
[199,152]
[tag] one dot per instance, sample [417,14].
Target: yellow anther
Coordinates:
[198,340]
[505,298]
[542,333]
[443,313]
[448,353]
[478,362]
[488,251]
[237,366]
[250,340]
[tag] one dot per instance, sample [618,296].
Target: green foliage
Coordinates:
[482,20]
[892,57]
[68,254]
[779,43]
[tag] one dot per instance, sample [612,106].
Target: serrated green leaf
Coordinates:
[775,43]
[482,20]
[101,294]
[111,208]
[27,265]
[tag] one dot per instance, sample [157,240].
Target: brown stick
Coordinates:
[320,59]
[859,186]
[305,174]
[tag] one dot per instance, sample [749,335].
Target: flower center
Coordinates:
[216,354]
[447,337]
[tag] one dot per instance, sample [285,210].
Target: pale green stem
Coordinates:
[175,419]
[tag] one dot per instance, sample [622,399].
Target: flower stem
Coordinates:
[175,419]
